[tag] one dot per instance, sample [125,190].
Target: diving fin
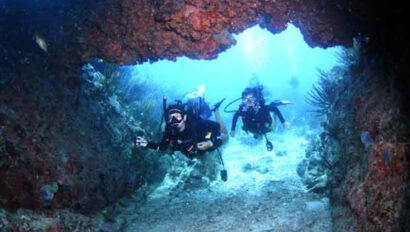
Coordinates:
[218,104]
[224,173]
[269,145]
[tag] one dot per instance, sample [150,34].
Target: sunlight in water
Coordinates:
[253,48]
[273,59]
[259,57]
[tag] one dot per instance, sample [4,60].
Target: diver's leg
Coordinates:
[273,125]
[268,135]
[270,129]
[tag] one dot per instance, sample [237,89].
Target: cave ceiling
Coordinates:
[135,31]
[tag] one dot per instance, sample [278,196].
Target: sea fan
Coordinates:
[111,79]
[349,57]
[323,95]
[339,82]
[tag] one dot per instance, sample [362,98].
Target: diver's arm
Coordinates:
[153,146]
[213,143]
[279,114]
[218,137]
[222,138]
[280,103]
[274,109]
[218,140]
[162,146]
[234,120]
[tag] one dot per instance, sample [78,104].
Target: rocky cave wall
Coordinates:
[60,146]
[43,111]
[65,148]
[361,158]
[370,188]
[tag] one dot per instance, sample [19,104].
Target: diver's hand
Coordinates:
[232,134]
[140,142]
[287,125]
[205,145]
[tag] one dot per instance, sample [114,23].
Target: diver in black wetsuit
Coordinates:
[188,134]
[256,115]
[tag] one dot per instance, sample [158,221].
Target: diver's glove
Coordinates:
[287,125]
[141,142]
[205,145]
[281,102]
[232,133]
[285,102]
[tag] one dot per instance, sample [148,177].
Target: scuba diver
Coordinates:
[189,133]
[256,116]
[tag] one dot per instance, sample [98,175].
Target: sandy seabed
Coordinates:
[263,193]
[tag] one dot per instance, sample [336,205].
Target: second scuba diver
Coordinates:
[256,116]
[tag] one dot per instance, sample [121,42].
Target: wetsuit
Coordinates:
[186,141]
[260,122]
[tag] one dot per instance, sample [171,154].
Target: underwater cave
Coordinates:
[109,118]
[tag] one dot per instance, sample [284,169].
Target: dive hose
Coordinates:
[229,104]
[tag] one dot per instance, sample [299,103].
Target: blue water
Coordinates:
[272,60]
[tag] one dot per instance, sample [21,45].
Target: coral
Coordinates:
[366,139]
[79,159]
[327,92]
[134,31]
[47,193]
[61,220]
[384,180]
[371,177]
[362,149]
[110,80]
[48,123]
[321,158]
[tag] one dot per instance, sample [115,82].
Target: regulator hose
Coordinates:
[229,104]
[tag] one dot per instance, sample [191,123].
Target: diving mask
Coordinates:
[249,101]
[174,118]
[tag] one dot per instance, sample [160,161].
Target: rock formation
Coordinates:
[46,162]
